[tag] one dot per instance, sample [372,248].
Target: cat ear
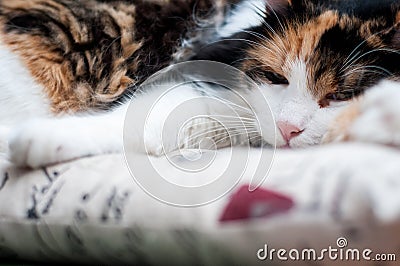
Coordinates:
[227,51]
[278,6]
[285,7]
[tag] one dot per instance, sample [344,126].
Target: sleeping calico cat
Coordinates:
[69,68]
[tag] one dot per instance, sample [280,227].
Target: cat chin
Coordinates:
[304,143]
[299,143]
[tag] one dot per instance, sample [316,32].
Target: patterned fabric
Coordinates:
[91,210]
[259,203]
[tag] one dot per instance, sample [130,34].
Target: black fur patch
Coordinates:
[362,8]
[229,50]
[162,28]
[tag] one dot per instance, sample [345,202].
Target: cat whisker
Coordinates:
[215,133]
[239,118]
[262,13]
[276,15]
[265,39]
[237,106]
[282,28]
[350,60]
[201,135]
[374,51]
[276,35]
[368,67]
[363,72]
[213,126]
[349,63]
[238,134]
[360,79]
[257,138]
[212,119]
[256,34]
[221,124]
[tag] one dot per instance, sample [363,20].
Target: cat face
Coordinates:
[311,60]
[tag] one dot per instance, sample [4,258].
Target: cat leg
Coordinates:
[42,142]
[375,118]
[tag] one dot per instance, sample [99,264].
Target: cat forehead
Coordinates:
[295,40]
[330,34]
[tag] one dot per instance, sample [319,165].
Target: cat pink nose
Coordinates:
[288,130]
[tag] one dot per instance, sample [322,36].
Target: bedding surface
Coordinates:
[93,211]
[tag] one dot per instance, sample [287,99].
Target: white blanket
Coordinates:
[92,210]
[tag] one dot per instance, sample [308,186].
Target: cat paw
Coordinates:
[157,144]
[44,142]
[375,118]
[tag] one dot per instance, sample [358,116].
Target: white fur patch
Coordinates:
[297,105]
[247,14]
[21,96]
[379,121]
[41,142]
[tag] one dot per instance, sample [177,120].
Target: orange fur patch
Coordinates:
[297,42]
[73,77]
[339,129]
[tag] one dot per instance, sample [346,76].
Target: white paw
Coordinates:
[379,118]
[44,142]
[163,138]
[158,144]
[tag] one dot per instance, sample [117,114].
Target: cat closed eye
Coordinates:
[344,95]
[275,78]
